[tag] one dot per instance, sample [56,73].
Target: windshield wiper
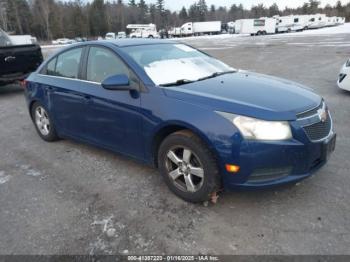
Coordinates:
[216,74]
[179,82]
[186,81]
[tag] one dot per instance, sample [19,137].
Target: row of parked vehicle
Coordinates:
[67,41]
[283,24]
[263,25]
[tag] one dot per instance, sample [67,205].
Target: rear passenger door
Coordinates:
[66,92]
[113,117]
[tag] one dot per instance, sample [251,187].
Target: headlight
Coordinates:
[256,129]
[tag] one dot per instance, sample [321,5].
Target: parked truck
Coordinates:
[260,26]
[201,28]
[175,32]
[143,31]
[17,61]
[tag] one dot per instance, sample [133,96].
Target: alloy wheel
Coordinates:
[42,121]
[185,169]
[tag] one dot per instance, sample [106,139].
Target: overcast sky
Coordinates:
[177,4]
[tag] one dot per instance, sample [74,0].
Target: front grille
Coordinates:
[319,130]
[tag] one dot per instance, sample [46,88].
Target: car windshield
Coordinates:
[176,64]
[4,39]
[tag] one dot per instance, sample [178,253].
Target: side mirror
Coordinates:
[117,82]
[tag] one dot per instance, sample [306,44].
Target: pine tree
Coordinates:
[193,12]
[274,10]
[132,3]
[143,11]
[97,15]
[202,10]
[183,14]
[153,13]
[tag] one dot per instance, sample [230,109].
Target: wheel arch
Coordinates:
[30,106]
[171,128]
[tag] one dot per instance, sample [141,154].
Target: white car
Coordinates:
[62,41]
[121,35]
[344,77]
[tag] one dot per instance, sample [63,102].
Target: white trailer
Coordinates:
[317,21]
[331,21]
[256,26]
[238,24]
[143,31]
[175,32]
[201,28]
[340,20]
[292,23]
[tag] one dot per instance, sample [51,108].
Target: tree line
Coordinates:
[50,19]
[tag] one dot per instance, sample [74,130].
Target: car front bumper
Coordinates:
[344,78]
[269,164]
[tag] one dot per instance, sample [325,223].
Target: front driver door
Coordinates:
[112,118]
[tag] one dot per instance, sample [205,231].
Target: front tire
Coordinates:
[43,123]
[188,167]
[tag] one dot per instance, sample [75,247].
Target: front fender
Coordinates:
[220,135]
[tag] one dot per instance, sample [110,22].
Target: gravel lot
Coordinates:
[69,198]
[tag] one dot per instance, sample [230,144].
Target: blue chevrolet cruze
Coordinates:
[205,125]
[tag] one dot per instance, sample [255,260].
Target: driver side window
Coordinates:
[103,63]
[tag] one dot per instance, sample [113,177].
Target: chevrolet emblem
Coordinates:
[322,114]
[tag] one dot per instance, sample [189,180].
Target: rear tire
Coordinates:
[43,123]
[188,167]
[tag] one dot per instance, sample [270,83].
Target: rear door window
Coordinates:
[51,67]
[68,63]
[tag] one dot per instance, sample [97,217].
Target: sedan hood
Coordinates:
[249,94]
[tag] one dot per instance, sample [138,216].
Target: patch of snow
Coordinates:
[3,178]
[111,232]
[214,48]
[98,245]
[32,172]
[222,36]
[25,167]
[105,223]
[53,46]
[169,71]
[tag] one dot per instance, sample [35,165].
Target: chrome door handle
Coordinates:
[9,58]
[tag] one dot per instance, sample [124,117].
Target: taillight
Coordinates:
[23,83]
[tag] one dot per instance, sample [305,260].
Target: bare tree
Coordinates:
[3,15]
[44,11]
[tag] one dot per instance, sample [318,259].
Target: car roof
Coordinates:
[135,42]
